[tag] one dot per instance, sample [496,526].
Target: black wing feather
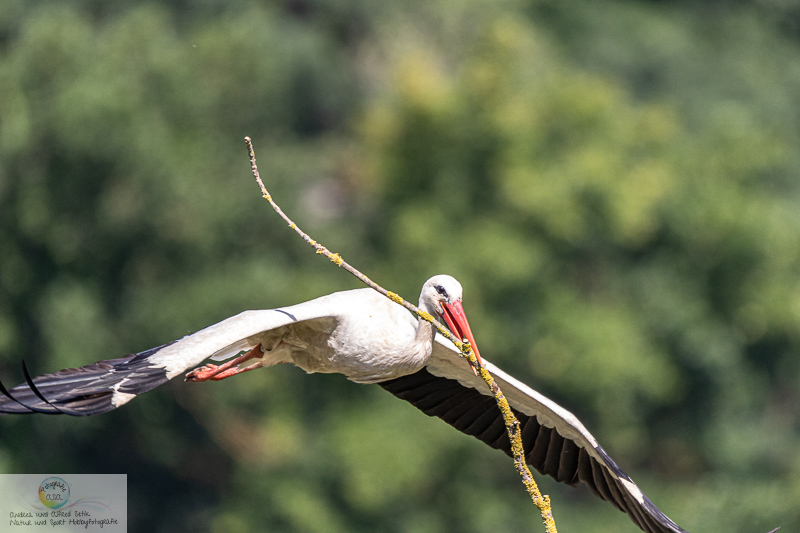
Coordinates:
[84,391]
[546,450]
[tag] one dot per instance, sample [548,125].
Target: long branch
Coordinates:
[511,422]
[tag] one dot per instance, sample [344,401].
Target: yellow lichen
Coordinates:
[394,297]
[336,258]
[517,450]
[424,315]
[267,197]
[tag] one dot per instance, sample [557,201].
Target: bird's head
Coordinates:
[441,297]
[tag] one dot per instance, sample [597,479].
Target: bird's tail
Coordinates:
[88,390]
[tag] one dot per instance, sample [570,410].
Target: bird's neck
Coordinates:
[423,340]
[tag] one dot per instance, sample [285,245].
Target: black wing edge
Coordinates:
[84,391]
[546,450]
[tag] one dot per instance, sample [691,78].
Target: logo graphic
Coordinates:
[54,492]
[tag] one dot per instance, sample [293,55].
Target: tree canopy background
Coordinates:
[615,184]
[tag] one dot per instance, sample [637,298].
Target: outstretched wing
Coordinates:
[106,385]
[555,442]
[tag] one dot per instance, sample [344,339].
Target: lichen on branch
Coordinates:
[512,424]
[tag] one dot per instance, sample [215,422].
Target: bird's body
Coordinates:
[365,336]
[369,339]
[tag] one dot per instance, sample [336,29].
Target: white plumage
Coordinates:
[369,339]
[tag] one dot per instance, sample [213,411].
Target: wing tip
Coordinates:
[84,391]
[30,409]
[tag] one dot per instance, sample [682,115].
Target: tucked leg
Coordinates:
[230,368]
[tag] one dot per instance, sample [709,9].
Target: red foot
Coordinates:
[211,372]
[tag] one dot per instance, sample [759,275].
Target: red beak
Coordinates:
[457,322]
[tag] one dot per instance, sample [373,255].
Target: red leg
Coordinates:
[228,369]
[234,371]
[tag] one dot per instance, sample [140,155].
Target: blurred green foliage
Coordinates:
[615,184]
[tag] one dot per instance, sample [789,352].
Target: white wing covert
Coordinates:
[106,385]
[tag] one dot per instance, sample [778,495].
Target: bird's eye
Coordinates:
[441,290]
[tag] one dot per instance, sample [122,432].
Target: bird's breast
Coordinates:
[368,339]
[369,348]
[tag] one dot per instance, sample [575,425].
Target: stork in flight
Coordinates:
[369,339]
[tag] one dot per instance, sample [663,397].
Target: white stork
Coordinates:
[369,339]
